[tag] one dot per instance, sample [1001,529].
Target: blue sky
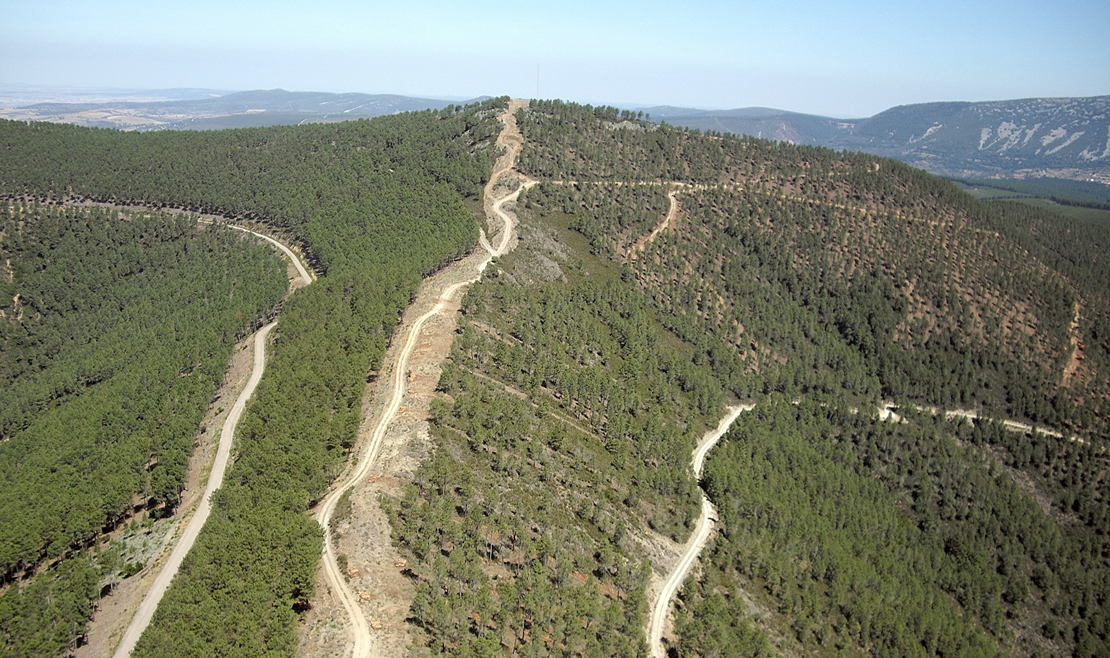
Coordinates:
[844,59]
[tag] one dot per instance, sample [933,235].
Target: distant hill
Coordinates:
[234,110]
[765,122]
[1062,137]
[22,95]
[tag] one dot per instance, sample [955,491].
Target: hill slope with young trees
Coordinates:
[843,279]
[943,299]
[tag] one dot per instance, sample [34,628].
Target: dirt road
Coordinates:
[886,412]
[662,606]
[145,611]
[668,221]
[215,479]
[306,278]
[510,139]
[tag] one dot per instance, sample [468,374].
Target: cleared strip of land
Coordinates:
[362,644]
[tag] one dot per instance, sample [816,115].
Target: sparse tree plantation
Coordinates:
[550,446]
[949,300]
[837,280]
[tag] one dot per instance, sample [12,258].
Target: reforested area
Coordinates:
[312,181]
[298,432]
[862,535]
[949,300]
[842,279]
[591,359]
[376,205]
[115,330]
[563,435]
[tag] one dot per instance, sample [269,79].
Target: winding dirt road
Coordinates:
[511,140]
[306,277]
[153,597]
[662,606]
[668,221]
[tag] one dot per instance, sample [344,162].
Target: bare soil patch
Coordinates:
[1076,349]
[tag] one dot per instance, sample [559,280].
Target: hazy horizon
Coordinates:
[848,61]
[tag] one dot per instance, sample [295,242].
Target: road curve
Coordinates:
[696,542]
[305,276]
[668,221]
[361,631]
[215,479]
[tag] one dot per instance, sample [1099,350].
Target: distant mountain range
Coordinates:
[233,110]
[1062,137]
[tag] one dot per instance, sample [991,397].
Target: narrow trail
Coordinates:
[735,186]
[1076,349]
[511,139]
[145,611]
[886,412]
[661,608]
[668,221]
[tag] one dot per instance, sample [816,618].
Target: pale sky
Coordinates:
[845,59]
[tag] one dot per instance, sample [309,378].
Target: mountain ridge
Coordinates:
[1067,137]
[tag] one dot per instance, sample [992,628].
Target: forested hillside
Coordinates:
[950,301]
[115,330]
[662,274]
[838,280]
[313,181]
[562,438]
[872,536]
[375,204]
